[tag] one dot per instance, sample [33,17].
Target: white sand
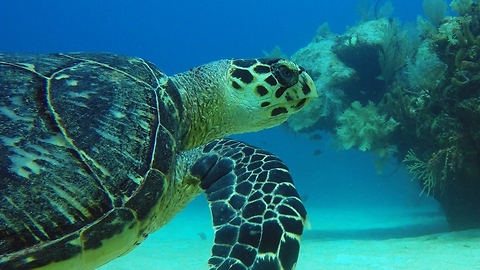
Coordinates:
[339,239]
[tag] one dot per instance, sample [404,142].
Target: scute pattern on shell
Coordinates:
[75,140]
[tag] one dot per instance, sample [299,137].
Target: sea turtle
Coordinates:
[99,150]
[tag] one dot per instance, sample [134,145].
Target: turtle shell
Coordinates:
[79,134]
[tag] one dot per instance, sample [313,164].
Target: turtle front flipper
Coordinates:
[258,216]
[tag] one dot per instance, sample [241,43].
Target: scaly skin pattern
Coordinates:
[258,216]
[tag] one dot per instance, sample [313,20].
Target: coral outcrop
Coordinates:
[418,94]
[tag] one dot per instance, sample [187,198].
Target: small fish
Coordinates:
[317,152]
[202,236]
[315,137]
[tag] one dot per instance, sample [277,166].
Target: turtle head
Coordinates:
[265,92]
[240,95]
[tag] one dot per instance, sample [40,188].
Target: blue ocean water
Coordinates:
[178,35]
[175,35]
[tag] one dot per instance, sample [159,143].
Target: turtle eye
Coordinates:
[285,75]
[286,72]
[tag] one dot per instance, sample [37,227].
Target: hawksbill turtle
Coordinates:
[99,150]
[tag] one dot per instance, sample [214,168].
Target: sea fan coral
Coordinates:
[434,10]
[426,71]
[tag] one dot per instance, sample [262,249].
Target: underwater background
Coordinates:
[346,196]
[175,35]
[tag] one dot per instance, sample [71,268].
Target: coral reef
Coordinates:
[322,63]
[396,49]
[415,97]
[359,49]
[425,72]
[462,7]
[331,77]
[364,128]
[434,172]
[441,110]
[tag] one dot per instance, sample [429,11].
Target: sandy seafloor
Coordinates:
[373,238]
[358,220]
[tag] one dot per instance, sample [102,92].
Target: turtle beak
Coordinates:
[304,92]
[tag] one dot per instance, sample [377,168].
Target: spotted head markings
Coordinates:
[277,79]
